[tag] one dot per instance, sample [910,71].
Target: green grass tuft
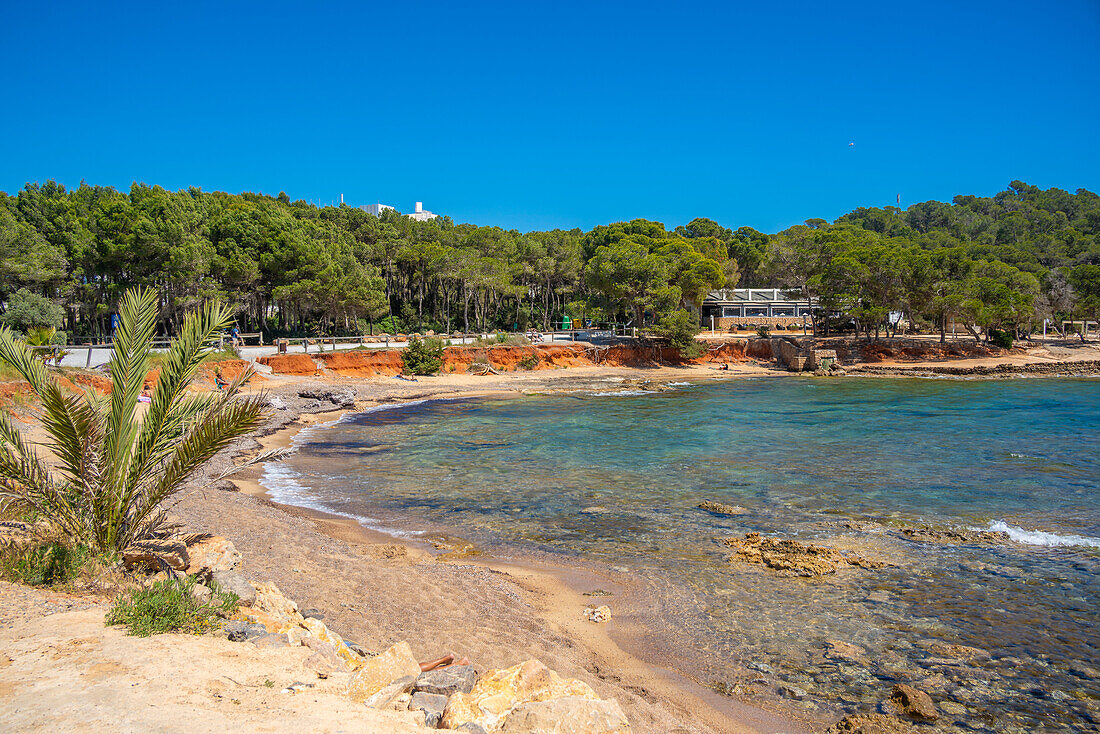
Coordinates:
[44,565]
[168,606]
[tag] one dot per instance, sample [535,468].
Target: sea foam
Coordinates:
[1040,537]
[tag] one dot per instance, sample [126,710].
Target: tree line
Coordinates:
[291,268]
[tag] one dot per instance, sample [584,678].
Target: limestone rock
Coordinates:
[324,658]
[320,631]
[597,614]
[447,681]
[792,558]
[211,553]
[432,704]
[870,724]
[388,697]
[201,593]
[929,534]
[569,715]
[914,703]
[270,640]
[270,600]
[498,692]
[233,582]
[155,555]
[719,508]
[378,672]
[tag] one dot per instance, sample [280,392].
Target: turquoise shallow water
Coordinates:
[614,477]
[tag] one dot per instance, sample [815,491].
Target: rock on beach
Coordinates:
[382,670]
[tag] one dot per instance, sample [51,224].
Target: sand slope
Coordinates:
[66,673]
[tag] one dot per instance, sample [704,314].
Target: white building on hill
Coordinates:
[376,209]
[420,214]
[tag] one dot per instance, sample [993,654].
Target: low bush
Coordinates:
[762,332]
[46,564]
[423,356]
[1001,338]
[529,362]
[168,606]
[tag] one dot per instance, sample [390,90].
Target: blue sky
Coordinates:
[536,115]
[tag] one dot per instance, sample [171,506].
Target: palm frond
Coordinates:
[169,411]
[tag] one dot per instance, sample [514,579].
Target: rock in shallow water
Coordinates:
[792,558]
[914,703]
[719,508]
[870,724]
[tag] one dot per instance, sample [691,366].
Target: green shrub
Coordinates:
[46,564]
[168,606]
[679,327]
[529,362]
[1001,338]
[423,356]
[762,332]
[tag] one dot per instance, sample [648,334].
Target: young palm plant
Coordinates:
[111,469]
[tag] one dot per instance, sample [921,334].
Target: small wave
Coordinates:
[1016,455]
[1040,537]
[678,384]
[615,393]
[284,488]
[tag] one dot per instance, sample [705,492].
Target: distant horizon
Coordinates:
[669,224]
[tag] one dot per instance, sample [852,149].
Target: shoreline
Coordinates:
[545,579]
[553,586]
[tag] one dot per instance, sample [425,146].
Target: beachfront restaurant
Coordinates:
[752,307]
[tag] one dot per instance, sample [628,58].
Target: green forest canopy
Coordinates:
[294,268]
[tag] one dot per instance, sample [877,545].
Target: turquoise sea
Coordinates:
[614,476]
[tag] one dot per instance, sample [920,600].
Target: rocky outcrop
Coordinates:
[870,724]
[1046,369]
[718,508]
[791,558]
[499,692]
[568,715]
[339,398]
[209,554]
[156,555]
[382,670]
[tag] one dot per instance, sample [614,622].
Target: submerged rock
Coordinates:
[929,534]
[870,724]
[718,508]
[792,558]
[914,703]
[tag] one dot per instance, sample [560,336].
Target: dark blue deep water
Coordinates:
[614,477]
